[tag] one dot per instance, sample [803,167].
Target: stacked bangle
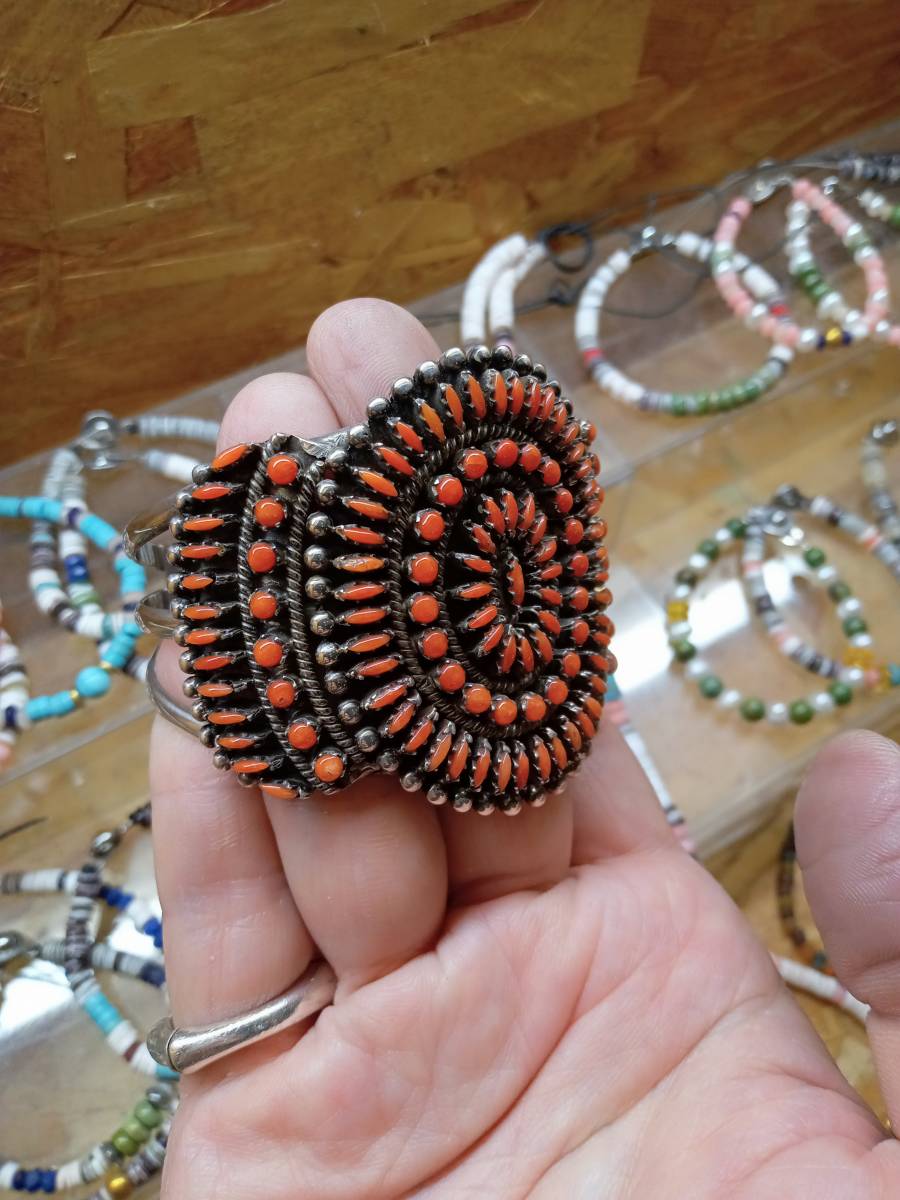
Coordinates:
[882,504]
[19,712]
[861,531]
[797,712]
[776,324]
[848,608]
[762,295]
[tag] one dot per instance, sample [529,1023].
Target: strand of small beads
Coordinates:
[488,300]
[882,505]
[617,712]
[806,273]
[845,676]
[762,298]
[20,712]
[751,708]
[785,892]
[103,957]
[777,325]
[132,1155]
[143,913]
[120,1034]
[76,605]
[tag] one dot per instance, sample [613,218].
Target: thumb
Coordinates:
[848,847]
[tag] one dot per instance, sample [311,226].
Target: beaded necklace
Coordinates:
[882,504]
[19,712]
[776,324]
[136,1149]
[762,297]
[487,311]
[859,668]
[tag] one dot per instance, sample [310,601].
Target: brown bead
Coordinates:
[282,469]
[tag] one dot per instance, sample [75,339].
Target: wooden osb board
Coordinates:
[185,183]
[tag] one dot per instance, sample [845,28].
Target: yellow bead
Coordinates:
[834,336]
[119,1185]
[677,610]
[860,656]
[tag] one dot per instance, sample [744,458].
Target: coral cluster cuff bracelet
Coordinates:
[424,593]
[187,1050]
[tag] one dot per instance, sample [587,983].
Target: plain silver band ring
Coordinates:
[187,1050]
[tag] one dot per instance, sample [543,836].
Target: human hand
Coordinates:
[559,1005]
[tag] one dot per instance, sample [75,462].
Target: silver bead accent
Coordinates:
[321,623]
[327,653]
[367,740]
[349,712]
[317,587]
[104,843]
[410,782]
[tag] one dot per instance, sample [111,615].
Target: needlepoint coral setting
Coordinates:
[423,593]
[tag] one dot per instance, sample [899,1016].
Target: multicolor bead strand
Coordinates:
[116,653]
[751,708]
[777,324]
[141,1138]
[120,1034]
[882,504]
[845,676]
[785,889]
[762,294]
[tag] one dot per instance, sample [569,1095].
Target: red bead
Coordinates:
[261,557]
[282,469]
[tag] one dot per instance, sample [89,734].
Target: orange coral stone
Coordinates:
[233,741]
[423,608]
[574,531]
[202,637]
[210,491]
[302,735]
[422,568]
[451,676]
[474,591]
[376,666]
[564,500]
[261,557]
[504,710]
[202,524]
[231,717]
[501,396]
[571,664]
[395,459]
[268,652]
[448,490]
[477,698]
[201,612]
[430,525]
[229,457]
[213,662]
[516,582]
[551,472]
[453,402]
[419,736]
[556,691]
[328,766]
[433,421]
[458,758]
[263,605]
[483,617]
[282,469]
[209,551]
[506,452]
[503,767]
[433,644]
[473,463]
[250,766]
[215,691]
[533,707]
[278,791]
[368,508]
[268,512]
[409,436]
[542,754]
[281,693]
[476,395]
[196,583]
[378,483]
[365,616]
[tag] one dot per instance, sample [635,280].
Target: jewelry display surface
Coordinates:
[669,483]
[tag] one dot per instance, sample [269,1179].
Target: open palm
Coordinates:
[562,1004]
